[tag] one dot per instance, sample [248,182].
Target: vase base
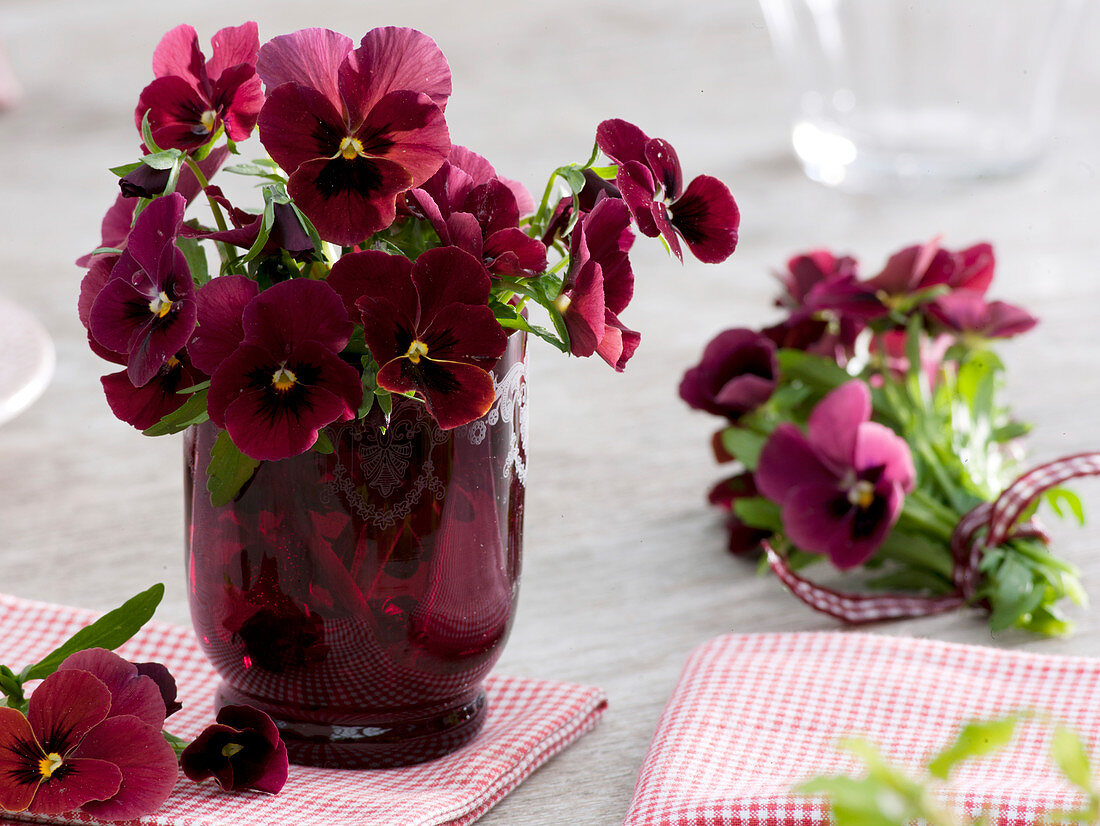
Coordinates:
[374,746]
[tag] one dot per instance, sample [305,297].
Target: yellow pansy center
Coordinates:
[351,148]
[161,305]
[416,350]
[561,303]
[283,379]
[208,119]
[49,764]
[229,749]
[861,494]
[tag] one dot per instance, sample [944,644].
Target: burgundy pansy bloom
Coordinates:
[146,405]
[966,312]
[428,325]
[737,374]
[146,310]
[929,265]
[471,207]
[810,270]
[286,380]
[705,215]
[841,485]
[595,189]
[221,302]
[165,682]
[599,285]
[193,97]
[743,538]
[354,128]
[91,741]
[286,233]
[242,750]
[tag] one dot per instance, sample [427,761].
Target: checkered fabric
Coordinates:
[529,722]
[756,714]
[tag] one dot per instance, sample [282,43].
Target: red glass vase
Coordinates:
[360,597]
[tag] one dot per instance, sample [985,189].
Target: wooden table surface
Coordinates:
[625,569]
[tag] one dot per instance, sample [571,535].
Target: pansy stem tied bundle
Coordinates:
[868,430]
[350,371]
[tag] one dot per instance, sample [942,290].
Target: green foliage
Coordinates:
[227,470]
[191,412]
[975,739]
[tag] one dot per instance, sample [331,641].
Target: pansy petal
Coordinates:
[85,781]
[455,393]
[585,314]
[527,254]
[463,332]
[621,141]
[232,376]
[608,238]
[663,221]
[19,756]
[787,462]
[175,110]
[296,311]
[231,46]
[879,446]
[618,343]
[238,96]
[144,406]
[299,124]
[131,693]
[464,232]
[65,707]
[399,59]
[309,57]
[178,54]
[707,218]
[476,166]
[494,206]
[284,432]
[974,268]
[663,161]
[165,683]
[811,521]
[834,424]
[220,306]
[156,229]
[1004,320]
[348,200]
[447,275]
[387,329]
[115,226]
[148,765]
[374,274]
[422,205]
[408,129]
[745,392]
[93,283]
[636,185]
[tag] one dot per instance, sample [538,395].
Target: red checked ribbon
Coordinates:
[987,526]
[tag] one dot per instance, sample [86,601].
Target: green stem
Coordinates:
[219,218]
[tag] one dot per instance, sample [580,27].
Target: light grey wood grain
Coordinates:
[625,569]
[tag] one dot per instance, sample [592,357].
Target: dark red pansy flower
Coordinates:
[146,310]
[192,97]
[737,374]
[286,233]
[705,215]
[91,741]
[165,682]
[221,302]
[286,380]
[810,270]
[841,484]
[146,405]
[242,750]
[354,128]
[599,285]
[929,265]
[428,326]
[743,539]
[595,189]
[966,312]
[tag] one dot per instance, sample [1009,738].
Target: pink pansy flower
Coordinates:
[599,285]
[428,326]
[354,127]
[286,380]
[929,265]
[841,485]
[705,215]
[91,741]
[193,97]
[966,312]
[146,309]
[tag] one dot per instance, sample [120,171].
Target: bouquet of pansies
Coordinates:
[867,429]
[384,258]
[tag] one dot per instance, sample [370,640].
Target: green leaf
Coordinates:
[976,738]
[1011,431]
[195,253]
[918,551]
[816,371]
[12,687]
[758,512]
[106,250]
[192,411]
[744,445]
[1061,499]
[1012,593]
[573,177]
[195,388]
[165,159]
[109,631]
[178,744]
[125,169]
[147,134]
[384,400]
[228,470]
[1072,757]
[323,443]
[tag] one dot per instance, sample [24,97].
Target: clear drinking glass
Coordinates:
[903,93]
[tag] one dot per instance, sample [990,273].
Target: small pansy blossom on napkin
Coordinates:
[866,429]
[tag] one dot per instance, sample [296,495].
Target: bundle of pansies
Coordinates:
[90,738]
[867,429]
[384,259]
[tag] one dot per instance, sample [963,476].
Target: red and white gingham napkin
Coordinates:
[756,714]
[529,722]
